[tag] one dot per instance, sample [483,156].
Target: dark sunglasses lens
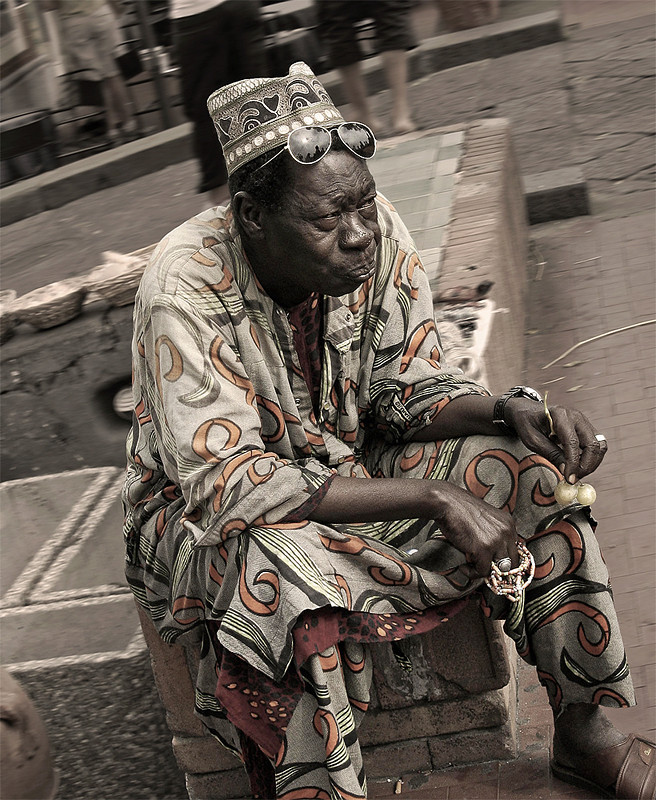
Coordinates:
[358,138]
[309,145]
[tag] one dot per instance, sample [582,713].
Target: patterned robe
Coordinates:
[228,456]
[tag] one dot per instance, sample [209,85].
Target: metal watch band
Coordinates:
[500,405]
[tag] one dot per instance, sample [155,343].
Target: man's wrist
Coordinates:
[499,412]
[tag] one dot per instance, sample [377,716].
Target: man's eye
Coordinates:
[368,203]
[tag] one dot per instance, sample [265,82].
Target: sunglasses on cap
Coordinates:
[308,145]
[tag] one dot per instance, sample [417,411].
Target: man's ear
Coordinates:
[248,212]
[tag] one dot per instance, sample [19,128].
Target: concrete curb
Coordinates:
[60,186]
[557,194]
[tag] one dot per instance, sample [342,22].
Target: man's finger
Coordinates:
[569,442]
[593,452]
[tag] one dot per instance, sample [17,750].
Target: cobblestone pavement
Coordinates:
[586,102]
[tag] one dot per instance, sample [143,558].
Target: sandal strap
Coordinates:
[636,779]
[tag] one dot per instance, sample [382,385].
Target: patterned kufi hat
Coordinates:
[255,115]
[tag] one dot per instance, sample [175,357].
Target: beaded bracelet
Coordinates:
[512,583]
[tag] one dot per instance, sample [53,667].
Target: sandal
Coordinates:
[636,779]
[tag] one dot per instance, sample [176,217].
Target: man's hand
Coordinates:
[480,531]
[574,449]
[476,528]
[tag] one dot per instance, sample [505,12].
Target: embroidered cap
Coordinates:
[255,115]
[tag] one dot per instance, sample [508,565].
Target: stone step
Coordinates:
[557,194]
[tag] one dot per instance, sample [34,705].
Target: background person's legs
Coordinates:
[356,94]
[206,66]
[396,72]
[105,38]
[117,107]
[395,36]
[336,24]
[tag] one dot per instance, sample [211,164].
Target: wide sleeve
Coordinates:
[205,414]
[410,384]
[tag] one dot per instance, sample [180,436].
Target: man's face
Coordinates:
[325,237]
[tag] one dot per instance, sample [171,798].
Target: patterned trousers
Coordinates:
[283,585]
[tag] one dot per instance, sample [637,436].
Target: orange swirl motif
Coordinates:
[594,648]
[276,414]
[378,573]
[351,545]
[204,260]
[604,692]
[397,268]
[141,414]
[324,719]
[186,610]
[576,547]
[227,373]
[201,436]
[233,527]
[410,462]
[354,546]
[176,369]
[228,471]
[215,575]
[515,468]
[329,661]
[352,664]
[414,263]
[416,341]
[345,590]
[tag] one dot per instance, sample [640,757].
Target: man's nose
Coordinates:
[355,233]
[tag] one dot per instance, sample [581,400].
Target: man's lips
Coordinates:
[364,271]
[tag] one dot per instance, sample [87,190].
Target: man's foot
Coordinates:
[403,126]
[588,751]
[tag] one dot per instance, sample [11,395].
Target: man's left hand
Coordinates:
[574,449]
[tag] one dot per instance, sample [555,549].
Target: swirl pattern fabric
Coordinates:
[226,449]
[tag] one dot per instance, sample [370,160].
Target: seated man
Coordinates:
[306,476]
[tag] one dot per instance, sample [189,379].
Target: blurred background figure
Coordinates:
[216,42]
[337,22]
[91,38]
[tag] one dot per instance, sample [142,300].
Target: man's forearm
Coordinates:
[378,499]
[464,416]
[364,500]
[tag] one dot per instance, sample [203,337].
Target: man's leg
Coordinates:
[396,71]
[356,93]
[197,52]
[567,625]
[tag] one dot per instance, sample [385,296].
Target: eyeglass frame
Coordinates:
[330,130]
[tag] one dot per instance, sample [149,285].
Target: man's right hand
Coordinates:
[476,528]
[480,531]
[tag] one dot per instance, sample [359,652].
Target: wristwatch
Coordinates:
[500,405]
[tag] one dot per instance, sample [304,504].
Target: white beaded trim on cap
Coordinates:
[253,146]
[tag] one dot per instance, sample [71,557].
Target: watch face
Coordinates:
[527,391]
